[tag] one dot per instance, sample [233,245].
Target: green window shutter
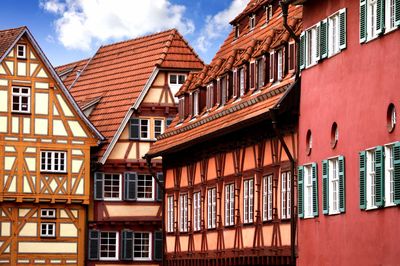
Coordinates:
[363,21]
[302,52]
[318,46]
[325,186]
[158,245]
[127,245]
[342,185]
[315,189]
[396,172]
[342,29]
[300,187]
[130,191]
[380,16]
[324,39]
[94,242]
[397,13]
[160,194]
[363,176]
[379,177]
[98,186]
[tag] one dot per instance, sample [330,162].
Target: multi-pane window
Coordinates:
[181,108]
[371,182]
[48,213]
[372,8]
[280,64]
[229,204]
[112,187]
[21,51]
[211,208]
[252,21]
[139,129]
[210,96]
[260,73]
[196,211]
[333,186]
[108,245]
[241,82]
[170,210]
[267,198]
[223,90]
[195,103]
[145,187]
[183,213]
[248,200]
[141,246]
[144,128]
[333,35]
[390,14]
[21,99]
[285,195]
[389,175]
[311,46]
[158,127]
[53,161]
[308,192]
[47,229]
[175,82]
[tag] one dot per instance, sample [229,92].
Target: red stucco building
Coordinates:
[349,157]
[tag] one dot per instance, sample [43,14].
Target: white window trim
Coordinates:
[279,63]
[162,127]
[388,17]
[196,211]
[267,197]
[52,164]
[285,194]
[20,94]
[24,49]
[47,228]
[252,22]
[330,34]
[140,129]
[211,208]
[171,217]
[308,192]
[313,29]
[370,154]
[248,201]
[331,174]
[150,247]
[195,103]
[44,213]
[229,204]
[371,21]
[152,189]
[116,246]
[120,187]
[183,214]
[388,169]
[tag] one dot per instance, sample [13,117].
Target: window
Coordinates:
[333,35]
[175,82]
[267,198]
[21,99]
[307,191]
[195,103]
[241,82]
[390,7]
[48,213]
[210,96]
[268,13]
[53,161]
[196,211]
[223,90]
[141,246]
[183,213]
[333,185]
[237,31]
[308,142]
[311,46]
[285,195]
[252,21]
[145,187]
[260,73]
[271,66]
[391,117]
[229,204]
[181,108]
[108,245]
[334,135]
[158,127]
[211,208]
[292,56]
[112,187]
[168,121]
[139,128]
[371,179]
[248,200]
[389,176]
[280,64]
[47,229]
[21,51]
[170,222]
[372,19]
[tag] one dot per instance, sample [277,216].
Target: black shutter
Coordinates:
[98,186]
[94,241]
[134,129]
[160,193]
[158,245]
[127,245]
[130,186]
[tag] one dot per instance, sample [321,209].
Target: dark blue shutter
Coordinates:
[363,175]
[396,172]
[158,245]
[127,245]
[300,187]
[130,190]
[98,186]
[342,185]
[94,242]
[379,177]
[315,189]
[160,193]
[325,187]
[134,128]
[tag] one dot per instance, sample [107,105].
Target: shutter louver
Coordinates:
[397,13]
[160,193]
[94,241]
[130,186]
[318,44]
[324,38]
[158,245]
[98,186]
[342,186]
[379,177]
[363,173]
[325,187]
[396,172]
[342,29]
[302,51]
[315,189]
[127,245]
[380,16]
[363,21]
[300,203]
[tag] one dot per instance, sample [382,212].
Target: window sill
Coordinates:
[52,172]
[390,205]
[371,208]
[21,113]
[108,259]
[391,30]
[111,199]
[333,213]
[311,65]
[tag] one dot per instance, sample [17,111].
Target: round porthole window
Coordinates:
[334,135]
[308,142]
[391,117]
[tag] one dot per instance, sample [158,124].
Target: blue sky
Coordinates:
[70,30]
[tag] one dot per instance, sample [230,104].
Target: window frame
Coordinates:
[389,174]
[152,188]
[313,60]
[333,178]
[195,95]
[47,225]
[370,179]
[183,213]
[372,20]
[117,243]
[285,195]
[46,168]
[308,192]
[119,198]
[331,43]
[230,204]
[280,61]
[171,214]
[390,16]
[196,211]
[20,95]
[248,201]
[212,208]
[24,51]
[44,213]
[161,127]
[150,246]
[252,22]
[267,197]
[268,13]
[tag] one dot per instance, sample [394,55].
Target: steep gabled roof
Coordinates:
[121,73]
[9,38]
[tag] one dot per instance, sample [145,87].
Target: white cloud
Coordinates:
[218,25]
[82,23]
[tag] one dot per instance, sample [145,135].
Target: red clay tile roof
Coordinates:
[119,72]
[69,72]
[8,37]
[233,53]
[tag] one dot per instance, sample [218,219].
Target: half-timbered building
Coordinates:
[45,145]
[229,155]
[127,91]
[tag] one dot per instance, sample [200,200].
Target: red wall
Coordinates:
[353,89]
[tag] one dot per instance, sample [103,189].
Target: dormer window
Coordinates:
[241,82]
[210,96]
[21,51]
[268,13]
[237,31]
[279,64]
[260,73]
[195,103]
[252,21]
[223,90]
[181,108]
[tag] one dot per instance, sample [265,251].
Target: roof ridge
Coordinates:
[73,62]
[17,28]
[190,47]
[166,47]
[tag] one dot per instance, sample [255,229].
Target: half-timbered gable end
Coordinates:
[127,90]
[229,154]
[45,143]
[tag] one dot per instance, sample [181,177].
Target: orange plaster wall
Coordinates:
[212,172]
[229,164]
[170,240]
[169,178]
[267,153]
[184,177]
[249,159]
[197,176]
